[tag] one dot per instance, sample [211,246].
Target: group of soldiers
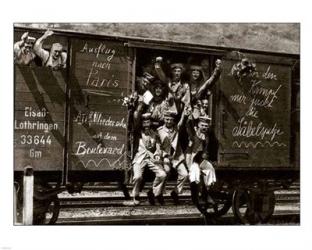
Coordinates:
[171,130]
[28,49]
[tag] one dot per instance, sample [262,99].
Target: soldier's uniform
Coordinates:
[169,138]
[198,145]
[149,154]
[197,161]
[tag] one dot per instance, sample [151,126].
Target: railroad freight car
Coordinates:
[72,125]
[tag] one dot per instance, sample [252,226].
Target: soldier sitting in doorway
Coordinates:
[148,154]
[197,159]
[169,135]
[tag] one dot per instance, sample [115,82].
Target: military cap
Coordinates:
[204,118]
[170,114]
[196,67]
[177,65]
[146,116]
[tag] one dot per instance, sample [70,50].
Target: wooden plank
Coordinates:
[39,159]
[113,97]
[44,98]
[41,78]
[20,115]
[50,107]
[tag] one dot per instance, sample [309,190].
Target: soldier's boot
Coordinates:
[160,199]
[151,197]
[174,195]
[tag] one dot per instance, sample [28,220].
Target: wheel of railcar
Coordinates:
[53,211]
[265,205]
[243,206]
[223,200]
[46,211]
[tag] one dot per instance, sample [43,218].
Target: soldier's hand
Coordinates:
[188,110]
[48,33]
[166,161]
[204,156]
[159,59]
[157,157]
[218,63]
[24,36]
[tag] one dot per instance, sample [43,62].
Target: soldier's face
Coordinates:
[158,91]
[195,75]
[203,127]
[169,122]
[176,73]
[56,54]
[205,104]
[27,49]
[205,64]
[146,124]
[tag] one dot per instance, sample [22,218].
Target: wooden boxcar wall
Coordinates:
[39,112]
[73,117]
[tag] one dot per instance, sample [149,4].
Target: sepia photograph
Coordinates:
[156,124]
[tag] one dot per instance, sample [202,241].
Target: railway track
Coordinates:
[100,205]
[290,218]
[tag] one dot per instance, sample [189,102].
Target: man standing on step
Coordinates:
[169,137]
[149,154]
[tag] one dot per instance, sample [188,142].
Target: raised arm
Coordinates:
[211,81]
[43,54]
[184,116]
[18,45]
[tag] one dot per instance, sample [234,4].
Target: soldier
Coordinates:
[177,88]
[196,79]
[169,137]
[143,87]
[23,50]
[160,104]
[149,154]
[197,159]
[55,58]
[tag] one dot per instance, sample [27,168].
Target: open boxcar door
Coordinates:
[100,77]
[254,105]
